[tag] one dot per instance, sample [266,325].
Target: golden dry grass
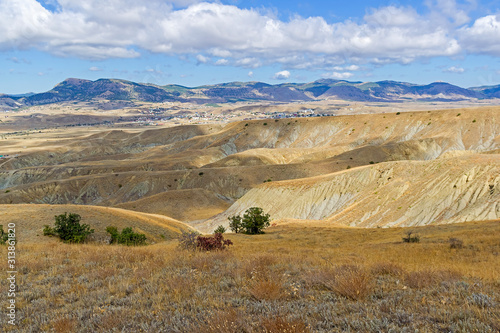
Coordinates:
[294,278]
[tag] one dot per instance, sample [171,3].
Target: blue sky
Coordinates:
[191,42]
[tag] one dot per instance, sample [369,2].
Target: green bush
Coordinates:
[127,237]
[4,237]
[69,229]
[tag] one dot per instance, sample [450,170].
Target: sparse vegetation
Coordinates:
[456,243]
[411,237]
[68,228]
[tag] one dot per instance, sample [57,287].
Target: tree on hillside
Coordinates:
[69,229]
[254,221]
[235,224]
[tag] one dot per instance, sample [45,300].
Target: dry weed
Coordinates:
[353,282]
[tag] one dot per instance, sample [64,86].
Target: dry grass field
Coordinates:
[297,277]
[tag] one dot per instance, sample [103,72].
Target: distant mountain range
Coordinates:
[122,91]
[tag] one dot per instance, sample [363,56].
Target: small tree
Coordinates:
[235,224]
[220,230]
[254,221]
[113,232]
[69,229]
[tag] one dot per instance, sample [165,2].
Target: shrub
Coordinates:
[127,237]
[220,230]
[235,224]
[4,236]
[352,282]
[456,243]
[267,289]
[69,229]
[212,243]
[188,240]
[411,239]
[48,231]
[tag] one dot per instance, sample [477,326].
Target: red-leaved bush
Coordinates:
[212,243]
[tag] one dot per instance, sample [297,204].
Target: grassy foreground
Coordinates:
[295,278]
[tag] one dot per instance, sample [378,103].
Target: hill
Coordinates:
[30,221]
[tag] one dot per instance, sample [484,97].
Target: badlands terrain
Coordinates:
[342,191]
[369,170]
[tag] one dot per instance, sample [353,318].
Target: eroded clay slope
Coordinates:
[405,193]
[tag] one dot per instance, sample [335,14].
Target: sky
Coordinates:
[192,43]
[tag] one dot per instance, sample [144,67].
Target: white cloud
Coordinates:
[283,75]
[483,36]
[222,62]
[454,69]
[250,74]
[346,68]
[95,69]
[338,75]
[244,37]
[201,59]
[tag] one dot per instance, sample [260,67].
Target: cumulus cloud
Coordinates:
[454,69]
[250,74]
[283,75]
[244,37]
[483,36]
